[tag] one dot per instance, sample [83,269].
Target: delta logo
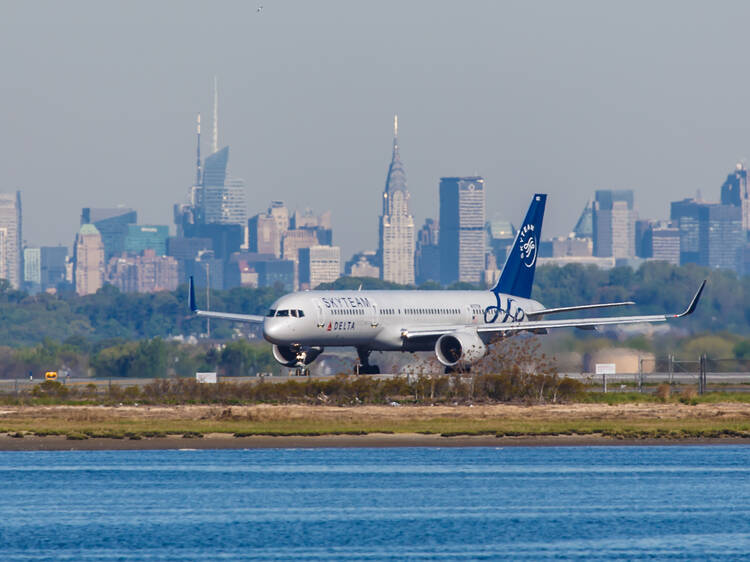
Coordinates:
[340,326]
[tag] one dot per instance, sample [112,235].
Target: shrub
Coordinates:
[663,391]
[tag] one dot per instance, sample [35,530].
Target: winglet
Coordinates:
[191,295]
[690,309]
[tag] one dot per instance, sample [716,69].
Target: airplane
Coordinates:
[457,325]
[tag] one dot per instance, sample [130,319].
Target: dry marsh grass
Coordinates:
[673,420]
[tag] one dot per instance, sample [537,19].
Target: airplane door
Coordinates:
[320,314]
[374,318]
[475,313]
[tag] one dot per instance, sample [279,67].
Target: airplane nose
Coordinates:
[272,330]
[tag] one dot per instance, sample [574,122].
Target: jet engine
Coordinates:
[464,346]
[295,356]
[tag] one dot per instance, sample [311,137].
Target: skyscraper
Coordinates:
[584,227]
[462,234]
[32,269]
[427,253]
[216,197]
[659,241]
[721,236]
[53,266]
[146,273]
[143,236]
[684,215]
[319,264]
[280,214]
[223,197]
[614,223]
[292,242]
[88,255]
[710,234]
[734,192]
[263,235]
[112,225]
[11,238]
[396,223]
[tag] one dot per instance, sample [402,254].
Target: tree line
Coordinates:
[147,358]
[27,320]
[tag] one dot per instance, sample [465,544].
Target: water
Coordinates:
[377,504]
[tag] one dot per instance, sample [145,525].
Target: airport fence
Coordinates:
[705,373]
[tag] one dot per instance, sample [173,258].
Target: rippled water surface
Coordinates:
[377,504]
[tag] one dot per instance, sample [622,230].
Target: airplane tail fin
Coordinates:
[517,277]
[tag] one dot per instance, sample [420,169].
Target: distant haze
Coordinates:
[98,103]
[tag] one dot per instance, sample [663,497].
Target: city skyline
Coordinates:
[109,125]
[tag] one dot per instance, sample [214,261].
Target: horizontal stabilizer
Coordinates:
[247,318]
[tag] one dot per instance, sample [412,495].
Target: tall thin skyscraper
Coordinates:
[396,223]
[216,197]
[223,196]
[462,234]
[614,223]
[215,143]
[11,238]
[88,256]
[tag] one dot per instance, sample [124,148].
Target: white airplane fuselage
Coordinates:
[377,319]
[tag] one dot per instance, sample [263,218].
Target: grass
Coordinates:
[609,419]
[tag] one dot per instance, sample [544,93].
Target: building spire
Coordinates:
[395,132]
[396,179]
[215,145]
[198,154]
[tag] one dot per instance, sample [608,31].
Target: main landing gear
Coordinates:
[363,366]
[300,372]
[458,369]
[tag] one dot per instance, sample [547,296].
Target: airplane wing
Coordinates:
[248,318]
[575,308]
[539,325]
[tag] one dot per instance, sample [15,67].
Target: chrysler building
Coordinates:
[396,223]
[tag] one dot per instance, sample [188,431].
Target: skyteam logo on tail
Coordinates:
[517,276]
[527,243]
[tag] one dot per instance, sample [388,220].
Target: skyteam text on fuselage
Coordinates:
[457,325]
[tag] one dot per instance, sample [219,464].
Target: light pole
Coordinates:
[208,298]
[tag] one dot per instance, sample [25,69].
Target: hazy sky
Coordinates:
[98,103]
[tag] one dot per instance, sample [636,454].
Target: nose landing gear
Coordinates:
[363,367]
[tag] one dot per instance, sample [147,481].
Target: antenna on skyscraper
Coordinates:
[395,130]
[215,145]
[198,154]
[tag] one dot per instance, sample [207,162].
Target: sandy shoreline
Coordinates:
[227,441]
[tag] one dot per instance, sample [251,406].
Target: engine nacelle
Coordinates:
[459,347]
[295,356]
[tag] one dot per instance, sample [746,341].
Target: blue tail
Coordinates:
[517,277]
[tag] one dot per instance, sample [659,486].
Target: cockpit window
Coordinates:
[301,313]
[294,313]
[271,313]
[282,313]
